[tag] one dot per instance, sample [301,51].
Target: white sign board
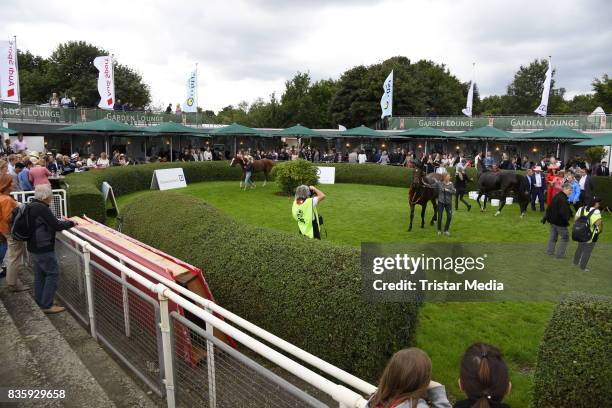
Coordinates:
[167,179]
[327,175]
[106,188]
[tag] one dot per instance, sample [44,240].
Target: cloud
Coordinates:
[248,49]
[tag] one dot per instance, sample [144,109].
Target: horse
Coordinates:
[504,181]
[421,194]
[263,165]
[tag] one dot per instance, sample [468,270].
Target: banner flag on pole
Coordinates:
[541,110]
[9,74]
[106,81]
[386,102]
[467,111]
[191,101]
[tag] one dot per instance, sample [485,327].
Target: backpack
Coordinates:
[20,223]
[581,231]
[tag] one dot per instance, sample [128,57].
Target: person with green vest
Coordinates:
[305,210]
[583,252]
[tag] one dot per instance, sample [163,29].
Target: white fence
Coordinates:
[157,343]
[58,206]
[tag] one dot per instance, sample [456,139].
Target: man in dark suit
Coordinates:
[602,169]
[558,216]
[538,186]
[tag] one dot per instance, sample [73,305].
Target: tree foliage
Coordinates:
[603,92]
[70,70]
[525,90]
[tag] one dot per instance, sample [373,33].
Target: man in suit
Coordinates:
[558,216]
[602,169]
[586,187]
[538,186]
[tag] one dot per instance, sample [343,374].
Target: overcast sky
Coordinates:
[248,48]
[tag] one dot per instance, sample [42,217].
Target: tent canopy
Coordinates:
[425,133]
[171,127]
[599,140]
[486,132]
[361,131]
[556,133]
[238,130]
[7,130]
[297,131]
[101,125]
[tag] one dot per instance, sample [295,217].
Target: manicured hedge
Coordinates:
[603,189]
[574,365]
[307,292]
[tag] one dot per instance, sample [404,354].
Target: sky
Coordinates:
[247,49]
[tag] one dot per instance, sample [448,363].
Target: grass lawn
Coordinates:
[363,213]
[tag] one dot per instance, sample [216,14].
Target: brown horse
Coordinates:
[263,165]
[421,193]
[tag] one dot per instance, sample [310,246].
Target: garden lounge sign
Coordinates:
[580,122]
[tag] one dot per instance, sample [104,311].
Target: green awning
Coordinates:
[598,140]
[486,132]
[425,133]
[238,130]
[556,133]
[7,130]
[171,127]
[361,131]
[101,125]
[297,131]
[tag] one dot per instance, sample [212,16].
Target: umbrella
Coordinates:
[558,134]
[102,126]
[238,130]
[599,140]
[7,130]
[361,131]
[173,128]
[297,131]
[487,133]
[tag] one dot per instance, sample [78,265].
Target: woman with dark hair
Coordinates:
[484,377]
[406,383]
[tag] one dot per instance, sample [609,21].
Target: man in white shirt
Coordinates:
[207,155]
[538,186]
[352,157]
[362,158]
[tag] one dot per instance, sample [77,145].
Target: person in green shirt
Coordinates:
[583,252]
[304,210]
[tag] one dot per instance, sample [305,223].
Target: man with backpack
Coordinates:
[586,230]
[558,216]
[40,235]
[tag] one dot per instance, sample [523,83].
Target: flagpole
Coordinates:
[17,68]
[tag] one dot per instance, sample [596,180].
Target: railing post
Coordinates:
[210,357]
[126,302]
[89,289]
[164,325]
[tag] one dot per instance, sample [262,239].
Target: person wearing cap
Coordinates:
[584,249]
[15,248]
[537,188]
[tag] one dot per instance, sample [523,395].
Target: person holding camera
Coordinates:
[305,210]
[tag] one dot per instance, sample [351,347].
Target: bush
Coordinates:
[594,154]
[603,188]
[291,174]
[574,368]
[307,292]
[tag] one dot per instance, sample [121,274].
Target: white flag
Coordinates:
[9,75]
[541,110]
[341,128]
[386,102]
[467,111]
[191,101]
[106,81]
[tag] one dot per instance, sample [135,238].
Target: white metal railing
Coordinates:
[203,309]
[58,206]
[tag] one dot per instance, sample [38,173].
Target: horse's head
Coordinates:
[238,159]
[417,176]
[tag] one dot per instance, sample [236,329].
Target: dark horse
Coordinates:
[263,165]
[420,193]
[504,181]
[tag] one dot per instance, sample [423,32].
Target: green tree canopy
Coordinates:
[525,90]
[603,92]
[70,70]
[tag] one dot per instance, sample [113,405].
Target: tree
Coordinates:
[70,70]
[418,89]
[594,154]
[525,90]
[603,92]
[583,104]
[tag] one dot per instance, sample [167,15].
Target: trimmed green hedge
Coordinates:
[307,292]
[603,189]
[574,366]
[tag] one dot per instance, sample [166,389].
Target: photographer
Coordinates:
[305,210]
